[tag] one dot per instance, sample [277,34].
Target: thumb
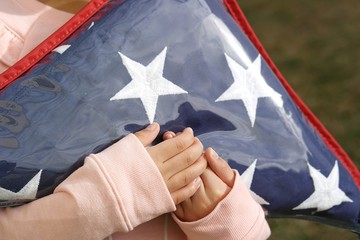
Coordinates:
[148,134]
[220,167]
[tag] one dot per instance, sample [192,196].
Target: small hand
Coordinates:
[217,181]
[178,161]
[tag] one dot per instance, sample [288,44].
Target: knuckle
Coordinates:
[194,153]
[185,139]
[185,179]
[197,149]
[203,163]
[180,144]
[177,182]
[199,144]
[189,158]
[200,166]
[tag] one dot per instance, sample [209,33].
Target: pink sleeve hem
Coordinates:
[237,216]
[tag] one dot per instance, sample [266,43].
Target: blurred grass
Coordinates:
[316,46]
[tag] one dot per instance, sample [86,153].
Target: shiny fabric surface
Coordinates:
[65,108]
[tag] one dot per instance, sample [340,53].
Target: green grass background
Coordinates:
[316,46]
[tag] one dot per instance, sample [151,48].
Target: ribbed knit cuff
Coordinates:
[237,216]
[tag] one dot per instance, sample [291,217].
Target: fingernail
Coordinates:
[213,154]
[151,127]
[189,129]
[169,135]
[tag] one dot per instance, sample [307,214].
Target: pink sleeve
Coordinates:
[115,190]
[237,216]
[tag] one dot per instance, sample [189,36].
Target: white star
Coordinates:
[249,85]
[327,192]
[27,192]
[147,83]
[61,49]
[247,178]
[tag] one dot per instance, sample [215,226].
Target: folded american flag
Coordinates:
[180,63]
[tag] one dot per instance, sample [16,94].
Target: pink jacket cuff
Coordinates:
[237,216]
[135,181]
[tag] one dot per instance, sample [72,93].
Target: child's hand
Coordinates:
[217,181]
[178,160]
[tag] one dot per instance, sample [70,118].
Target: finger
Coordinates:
[183,160]
[148,134]
[168,135]
[186,210]
[186,192]
[214,187]
[180,212]
[173,146]
[220,167]
[199,196]
[183,178]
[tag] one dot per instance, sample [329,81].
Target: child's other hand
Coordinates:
[178,160]
[217,181]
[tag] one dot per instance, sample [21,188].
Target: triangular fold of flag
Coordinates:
[119,65]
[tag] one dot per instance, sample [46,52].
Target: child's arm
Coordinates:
[222,208]
[107,193]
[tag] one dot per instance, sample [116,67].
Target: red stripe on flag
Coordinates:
[24,64]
